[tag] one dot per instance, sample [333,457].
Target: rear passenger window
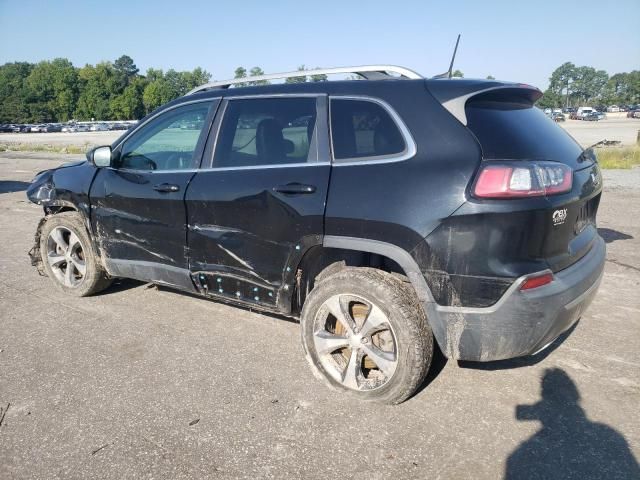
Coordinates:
[266,131]
[362,129]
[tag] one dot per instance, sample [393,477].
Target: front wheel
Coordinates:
[365,333]
[68,256]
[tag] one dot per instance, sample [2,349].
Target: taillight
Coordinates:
[520,179]
[538,281]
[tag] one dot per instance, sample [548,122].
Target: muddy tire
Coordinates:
[68,256]
[365,333]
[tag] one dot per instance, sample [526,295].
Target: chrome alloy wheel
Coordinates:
[66,257]
[355,342]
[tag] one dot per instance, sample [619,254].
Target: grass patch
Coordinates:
[43,147]
[626,157]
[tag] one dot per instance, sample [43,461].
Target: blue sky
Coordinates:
[522,41]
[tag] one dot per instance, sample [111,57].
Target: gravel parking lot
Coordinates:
[147,382]
[616,127]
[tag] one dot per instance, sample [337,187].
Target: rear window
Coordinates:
[517,131]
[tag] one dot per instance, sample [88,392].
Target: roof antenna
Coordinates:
[449,73]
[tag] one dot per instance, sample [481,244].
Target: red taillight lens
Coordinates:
[535,282]
[520,179]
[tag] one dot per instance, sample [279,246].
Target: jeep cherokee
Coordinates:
[384,214]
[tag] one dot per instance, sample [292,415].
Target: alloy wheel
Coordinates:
[355,342]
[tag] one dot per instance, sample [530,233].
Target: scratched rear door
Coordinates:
[260,205]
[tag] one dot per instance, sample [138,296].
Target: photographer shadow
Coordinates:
[568,445]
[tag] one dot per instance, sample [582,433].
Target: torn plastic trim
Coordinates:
[34,253]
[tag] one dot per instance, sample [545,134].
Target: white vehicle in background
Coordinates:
[613,109]
[557,110]
[99,127]
[584,112]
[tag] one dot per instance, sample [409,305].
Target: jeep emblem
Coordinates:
[559,216]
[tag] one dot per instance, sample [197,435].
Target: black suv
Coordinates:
[383,214]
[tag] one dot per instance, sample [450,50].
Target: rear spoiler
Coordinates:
[454,94]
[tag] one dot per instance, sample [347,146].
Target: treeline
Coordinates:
[575,86]
[56,91]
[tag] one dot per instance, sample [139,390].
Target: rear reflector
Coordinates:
[535,282]
[522,179]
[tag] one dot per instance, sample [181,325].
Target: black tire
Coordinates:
[408,328]
[94,279]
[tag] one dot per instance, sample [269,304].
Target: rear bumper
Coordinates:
[520,323]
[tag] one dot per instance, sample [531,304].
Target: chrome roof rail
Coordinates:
[368,72]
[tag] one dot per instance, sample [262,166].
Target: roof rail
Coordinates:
[369,72]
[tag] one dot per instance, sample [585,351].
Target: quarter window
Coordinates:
[267,131]
[362,129]
[167,142]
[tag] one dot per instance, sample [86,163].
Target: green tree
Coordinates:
[457,73]
[561,79]
[318,78]
[302,79]
[240,72]
[97,84]
[14,92]
[129,105]
[157,93]
[588,83]
[550,99]
[254,72]
[53,90]
[125,71]
[490,77]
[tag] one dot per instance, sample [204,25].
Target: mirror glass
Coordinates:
[102,156]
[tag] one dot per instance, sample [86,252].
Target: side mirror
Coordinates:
[100,156]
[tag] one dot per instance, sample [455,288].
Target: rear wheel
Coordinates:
[68,256]
[365,334]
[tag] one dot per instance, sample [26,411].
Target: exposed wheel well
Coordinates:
[320,262]
[54,209]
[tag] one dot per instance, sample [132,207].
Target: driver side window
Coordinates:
[168,142]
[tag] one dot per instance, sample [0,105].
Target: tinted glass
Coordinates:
[266,131]
[167,142]
[363,129]
[508,130]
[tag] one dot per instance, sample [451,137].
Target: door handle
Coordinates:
[295,188]
[166,187]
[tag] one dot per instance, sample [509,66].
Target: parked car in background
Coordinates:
[590,116]
[558,117]
[613,109]
[632,112]
[380,214]
[582,112]
[54,127]
[601,115]
[98,127]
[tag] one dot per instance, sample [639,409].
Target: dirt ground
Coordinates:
[145,382]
